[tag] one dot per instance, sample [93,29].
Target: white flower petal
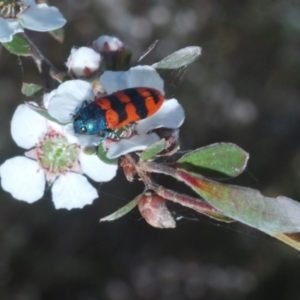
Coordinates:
[88,140]
[68,132]
[85,140]
[69,96]
[139,76]
[27,127]
[136,143]
[23,178]
[96,169]
[170,115]
[72,191]
[8,28]
[30,2]
[42,18]
[53,125]
[47,97]
[56,127]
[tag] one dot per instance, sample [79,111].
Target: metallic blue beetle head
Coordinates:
[90,119]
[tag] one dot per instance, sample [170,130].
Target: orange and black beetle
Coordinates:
[106,114]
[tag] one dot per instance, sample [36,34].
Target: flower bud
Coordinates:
[154,209]
[107,43]
[129,169]
[83,62]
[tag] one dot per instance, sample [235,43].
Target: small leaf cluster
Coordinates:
[278,217]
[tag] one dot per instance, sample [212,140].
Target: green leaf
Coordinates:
[30,89]
[179,58]
[249,206]
[102,155]
[43,112]
[225,158]
[150,48]
[292,239]
[124,210]
[218,217]
[18,46]
[90,150]
[58,34]
[153,150]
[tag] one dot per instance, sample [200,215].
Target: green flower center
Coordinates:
[56,154]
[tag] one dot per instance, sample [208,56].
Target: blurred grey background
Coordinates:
[244,89]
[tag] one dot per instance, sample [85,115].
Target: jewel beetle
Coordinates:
[108,113]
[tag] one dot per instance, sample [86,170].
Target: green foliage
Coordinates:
[58,34]
[30,89]
[219,217]
[281,215]
[225,158]
[153,150]
[179,58]
[123,210]
[18,46]
[102,155]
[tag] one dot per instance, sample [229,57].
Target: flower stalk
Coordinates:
[44,66]
[143,168]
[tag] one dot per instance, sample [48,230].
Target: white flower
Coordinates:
[54,160]
[139,76]
[17,15]
[106,43]
[170,115]
[70,96]
[83,62]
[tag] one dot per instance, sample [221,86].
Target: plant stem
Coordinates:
[197,204]
[44,66]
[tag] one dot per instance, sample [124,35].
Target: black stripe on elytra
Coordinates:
[118,107]
[138,101]
[154,95]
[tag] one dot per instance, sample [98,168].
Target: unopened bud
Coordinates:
[83,62]
[155,211]
[107,43]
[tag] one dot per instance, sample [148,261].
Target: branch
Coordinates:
[197,204]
